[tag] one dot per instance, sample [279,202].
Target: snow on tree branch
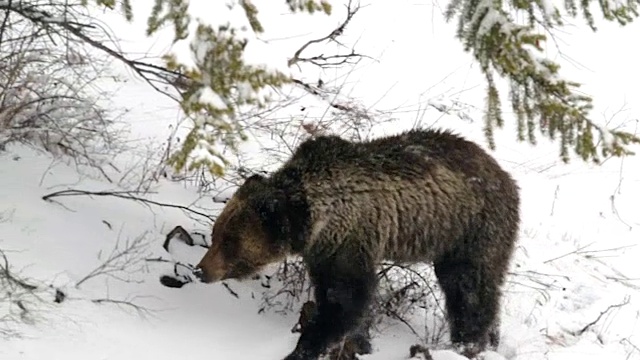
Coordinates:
[537,93]
[217,83]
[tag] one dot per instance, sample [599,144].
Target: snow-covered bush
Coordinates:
[50,94]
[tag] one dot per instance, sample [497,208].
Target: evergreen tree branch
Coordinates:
[537,93]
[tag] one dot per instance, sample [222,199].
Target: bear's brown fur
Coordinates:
[419,196]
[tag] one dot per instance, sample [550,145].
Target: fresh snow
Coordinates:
[576,260]
[208,96]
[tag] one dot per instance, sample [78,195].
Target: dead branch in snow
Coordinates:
[18,299]
[129,195]
[127,303]
[597,319]
[10,278]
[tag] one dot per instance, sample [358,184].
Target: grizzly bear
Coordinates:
[418,196]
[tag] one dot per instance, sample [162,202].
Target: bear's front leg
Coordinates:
[343,294]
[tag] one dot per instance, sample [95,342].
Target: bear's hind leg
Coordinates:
[472,296]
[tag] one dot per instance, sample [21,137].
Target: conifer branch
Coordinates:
[538,95]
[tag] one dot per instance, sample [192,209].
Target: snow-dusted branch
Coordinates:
[49,97]
[322,93]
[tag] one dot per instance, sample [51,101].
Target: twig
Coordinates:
[6,273]
[15,294]
[397,316]
[122,195]
[118,260]
[611,307]
[314,91]
[634,348]
[576,251]
[159,259]
[330,37]
[45,19]
[235,294]
[555,198]
[124,303]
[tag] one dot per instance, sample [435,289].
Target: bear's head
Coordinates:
[247,235]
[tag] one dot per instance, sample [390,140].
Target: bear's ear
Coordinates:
[255,179]
[252,185]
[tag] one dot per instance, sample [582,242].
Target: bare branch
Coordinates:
[122,195]
[592,323]
[329,60]
[17,295]
[125,303]
[149,72]
[120,260]
[8,276]
[49,95]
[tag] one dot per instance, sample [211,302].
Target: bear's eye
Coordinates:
[230,246]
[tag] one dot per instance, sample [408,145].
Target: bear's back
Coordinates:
[406,155]
[401,193]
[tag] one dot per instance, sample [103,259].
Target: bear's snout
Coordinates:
[205,276]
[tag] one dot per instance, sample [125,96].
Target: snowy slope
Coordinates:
[574,290]
[58,243]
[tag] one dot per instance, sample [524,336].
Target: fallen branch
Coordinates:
[122,195]
[159,259]
[235,294]
[125,303]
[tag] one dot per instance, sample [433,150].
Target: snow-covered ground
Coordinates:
[574,289]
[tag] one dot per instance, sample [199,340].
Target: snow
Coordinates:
[207,96]
[576,259]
